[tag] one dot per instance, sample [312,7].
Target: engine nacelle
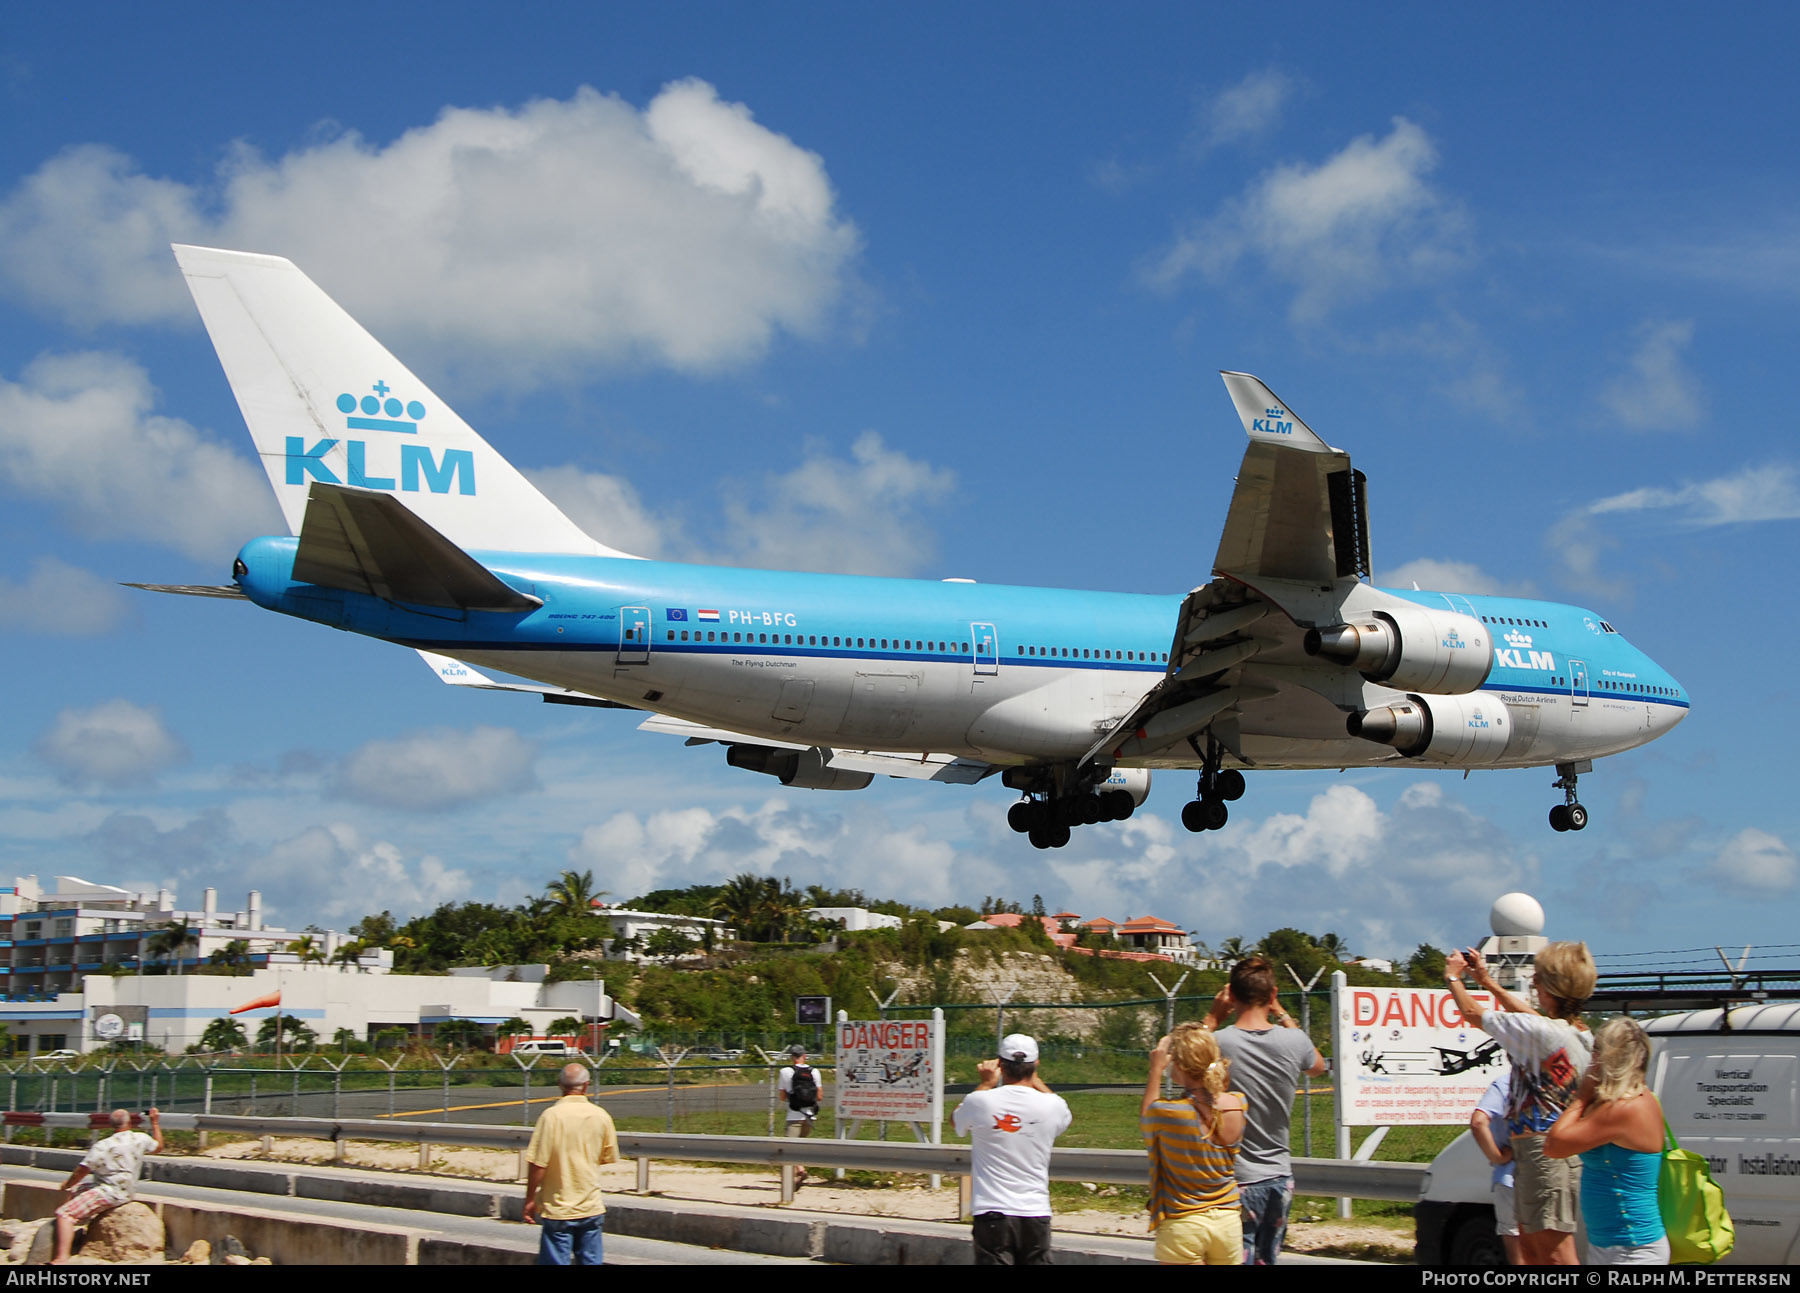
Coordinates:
[805,769]
[1440,653]
[1450,729]
[1134,781]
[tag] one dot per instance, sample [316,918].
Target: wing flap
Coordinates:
[365,542]
[913,767]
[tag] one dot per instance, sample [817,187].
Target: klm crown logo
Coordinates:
[1274,421]
[1518,639]
[381,402]
[417,468]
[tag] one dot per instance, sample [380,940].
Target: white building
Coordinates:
[50,938]
[855,919]
[170,1012]
[631,929]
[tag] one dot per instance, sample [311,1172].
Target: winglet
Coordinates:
[1267,418]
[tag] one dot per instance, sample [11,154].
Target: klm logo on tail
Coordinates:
[1274,421]
[456,467]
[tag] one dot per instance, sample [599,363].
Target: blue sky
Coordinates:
[916,290]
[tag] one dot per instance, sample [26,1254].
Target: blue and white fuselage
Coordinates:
[408,527]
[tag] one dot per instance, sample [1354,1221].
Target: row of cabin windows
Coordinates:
[907,644]
[1505,619]
[819,639]
[1088,653]
[1637,687]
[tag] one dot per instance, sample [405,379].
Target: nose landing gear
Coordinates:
[1569,815]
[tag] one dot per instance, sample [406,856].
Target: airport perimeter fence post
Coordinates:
[454,1061]
[206,1100]
[525,1100]
[1306,1027]
[1338,1069]
[669,1117]
[1168,1016]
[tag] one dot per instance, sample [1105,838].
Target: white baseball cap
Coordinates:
[1019,1048]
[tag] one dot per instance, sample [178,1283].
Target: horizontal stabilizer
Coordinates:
[457,674]
[230,592]
[364,542]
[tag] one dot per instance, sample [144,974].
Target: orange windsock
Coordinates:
[271,999]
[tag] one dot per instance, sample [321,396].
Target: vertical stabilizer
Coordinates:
[326,402]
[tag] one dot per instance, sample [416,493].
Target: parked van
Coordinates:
[542,1046]
[1730,1087]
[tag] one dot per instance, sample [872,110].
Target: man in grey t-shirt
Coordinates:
[1268,1055]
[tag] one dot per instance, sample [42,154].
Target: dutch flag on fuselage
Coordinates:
[710,616]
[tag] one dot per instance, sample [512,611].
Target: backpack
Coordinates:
[1693,1207]
[803,1089]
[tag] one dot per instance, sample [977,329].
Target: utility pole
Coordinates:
[1306,1027]
[1169,1014]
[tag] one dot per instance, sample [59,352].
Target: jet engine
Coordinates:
[1133,781]
[806,769]
[1412,648]
[1448,729]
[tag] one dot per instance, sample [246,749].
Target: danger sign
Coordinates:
[885,1070]
[1407,1057]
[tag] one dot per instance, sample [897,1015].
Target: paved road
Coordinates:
[621,1250]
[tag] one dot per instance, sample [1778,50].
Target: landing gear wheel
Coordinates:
[1214,813]
[1123,805]
[1230,784]
[1559,818]
[1577,817]
[1021,815]
[1058,837]
[1087,810]
[1191,816]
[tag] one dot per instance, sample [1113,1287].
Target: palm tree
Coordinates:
[1234,949]
[172,939]
[348,955]
[234,956]
[307,948]
[742,901]
[574,893]
[1334,947]
[223,1034]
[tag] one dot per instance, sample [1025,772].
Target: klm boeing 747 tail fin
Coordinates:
[327,404]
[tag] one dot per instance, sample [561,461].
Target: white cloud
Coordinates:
[78,431]
[331,873]
[1245,111]
[1347,229]
[1657,392]
[1767,493]
[115,744]
[438,769]
[1753,863]
[537,239]
[1434,575]
[608,508]
[59,598]
[859,516]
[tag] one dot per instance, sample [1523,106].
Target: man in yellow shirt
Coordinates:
[562,1183]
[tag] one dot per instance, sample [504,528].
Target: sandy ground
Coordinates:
[895,1197]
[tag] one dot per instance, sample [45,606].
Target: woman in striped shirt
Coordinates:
[1193,1147]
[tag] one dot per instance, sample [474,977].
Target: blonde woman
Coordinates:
[1193,1145]
[1616,1125]
[1548,1052]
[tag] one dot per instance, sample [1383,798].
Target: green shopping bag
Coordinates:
[1693,1207]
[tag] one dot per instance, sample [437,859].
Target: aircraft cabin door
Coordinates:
[1578,684]
[987,648]
[634,635]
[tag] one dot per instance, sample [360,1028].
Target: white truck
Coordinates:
[1729,1082]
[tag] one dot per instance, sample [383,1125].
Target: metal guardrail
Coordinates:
[1327,1176]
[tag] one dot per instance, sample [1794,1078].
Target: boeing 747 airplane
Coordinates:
[408,527]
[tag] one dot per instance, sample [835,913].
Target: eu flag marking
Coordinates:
[674,613]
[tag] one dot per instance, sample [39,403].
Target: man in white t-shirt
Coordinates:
[114,1164]
[799,1087]
[1012,1120]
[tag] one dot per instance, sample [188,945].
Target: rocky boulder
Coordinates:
[131,1232]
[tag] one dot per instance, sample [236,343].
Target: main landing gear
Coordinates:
[1218,786]
[1569,815]
[1046,820]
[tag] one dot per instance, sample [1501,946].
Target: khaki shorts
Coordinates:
[1214,1237]
[1546,1191]
[1506,1212]
[800,1127]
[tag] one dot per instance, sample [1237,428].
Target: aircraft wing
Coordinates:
[368,542]
[1300,511]
[457,674]
[884,763]
[1297,526]
[229,592]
